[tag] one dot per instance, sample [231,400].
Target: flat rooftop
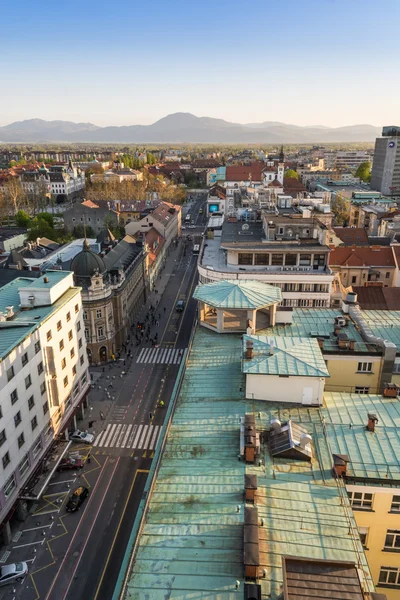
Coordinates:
[384,324]
[191,545]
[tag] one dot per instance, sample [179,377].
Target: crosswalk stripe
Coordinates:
[141,439]
[107,439]
[137,436]
[98,440]
[161,356]
[155,436]
[126,436]
[115,436]
[149,434]
[121,435]
[141,355]
[168,355]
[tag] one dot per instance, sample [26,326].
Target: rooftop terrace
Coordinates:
[191,545]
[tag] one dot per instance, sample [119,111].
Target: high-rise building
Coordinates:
[386,168]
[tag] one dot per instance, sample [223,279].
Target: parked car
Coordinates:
[13,572]
[192,227]
[183,228]
[180,305]
[70,463]
[77,498]
[82,436]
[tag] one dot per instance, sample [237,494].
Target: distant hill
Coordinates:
[184,128]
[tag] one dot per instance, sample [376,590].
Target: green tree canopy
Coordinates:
[364,171]
[22,219]
[40,227]
[46,217]
[341,209]
[291,173]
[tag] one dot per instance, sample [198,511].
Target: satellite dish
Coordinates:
[245,226]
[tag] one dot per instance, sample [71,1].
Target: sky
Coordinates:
[306,62]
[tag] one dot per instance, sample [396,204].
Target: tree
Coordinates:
[364,171]
[15,192]
[292,174]
[22,219]
[46,217]
[40,228]
[79,232]
[341,209]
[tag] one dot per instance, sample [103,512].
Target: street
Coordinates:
[78,555]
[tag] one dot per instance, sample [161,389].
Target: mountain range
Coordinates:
[184,128]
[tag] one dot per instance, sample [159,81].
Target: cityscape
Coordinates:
[200,304]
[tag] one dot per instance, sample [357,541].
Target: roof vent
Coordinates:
[340,464]
[305,439]
[351,297]
[249,349]
[10,312]
[45,280]
[372,421]
[275,425]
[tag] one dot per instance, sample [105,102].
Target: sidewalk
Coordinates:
[102,396]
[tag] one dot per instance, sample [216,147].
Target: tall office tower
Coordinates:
[386,168]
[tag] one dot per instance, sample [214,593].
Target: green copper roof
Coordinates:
[238,294]
[274,355]
[384,324]
[191,544]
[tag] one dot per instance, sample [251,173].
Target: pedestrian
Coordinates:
[165,308]
[110,385]
[157,323]
[103,369]
[124,362]
[88,458]
[101,415]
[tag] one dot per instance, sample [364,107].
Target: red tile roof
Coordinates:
[89,204]
[352,235]
[362,256]
[243,172]
[275,183]
[378,298]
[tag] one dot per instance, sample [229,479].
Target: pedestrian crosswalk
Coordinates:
[166,356]
[117,435]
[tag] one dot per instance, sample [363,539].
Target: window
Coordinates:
[354,279]
[76,308]
[37,347]
[86,333]
[3,437]
[37,448]
[291,259]
[40,368]
[361,500]
[387,275]
[276,259]
[24,359]
[364,367]
[10,373]
[63,363]
[396,368]
[34,423]
[14,396]
[84,379]
[23,465]
[17,418]
[261,259]
[395,507]
[99,313]
[74,370]
[78,326]
[245,258]
[61,344]
[85,315]
[28,381]
[72,352]
[59,325]
[21,440]
[359,389]
[80,343]
[31,402]
[45,408]
[363,532]
[392,540]
[70,334]
[48,335]
[43,388]
[390,577]
[319,260]
[81,360]
[68,316]
[9,486]
[100,332]
[65,381]
[305,260]
[6,460]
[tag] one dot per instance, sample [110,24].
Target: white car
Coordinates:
[13,572]
[192,227]
[82,436]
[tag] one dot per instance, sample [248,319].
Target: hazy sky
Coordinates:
[308,62]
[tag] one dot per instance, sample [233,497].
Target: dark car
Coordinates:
[70,463]
[77,498]
[180,305]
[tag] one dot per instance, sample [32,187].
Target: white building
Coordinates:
[63,182]
[352,160]
[43,373]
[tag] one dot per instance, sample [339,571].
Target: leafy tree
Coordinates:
[22,219]
[79,232]
[40,228]
[292,174]
[341,209]
[364,171]
[14,191]
[46,217]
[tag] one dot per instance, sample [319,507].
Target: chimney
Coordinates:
[372,421]
[45,280]
[249,349]
[352,344]
[321,343]
[10,312]
[340,464]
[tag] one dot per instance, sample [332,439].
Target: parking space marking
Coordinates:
[63,481]
[35,528]
[29,544]
[57,493]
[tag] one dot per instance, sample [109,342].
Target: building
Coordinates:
[350,159]
[385,175]
[221,524]
[44,374]
[63,182]
[364,265]
[288,251]
[166,220]
[11,238]
[95,215]
[113,291]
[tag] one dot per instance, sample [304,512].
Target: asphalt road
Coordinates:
[79,555]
